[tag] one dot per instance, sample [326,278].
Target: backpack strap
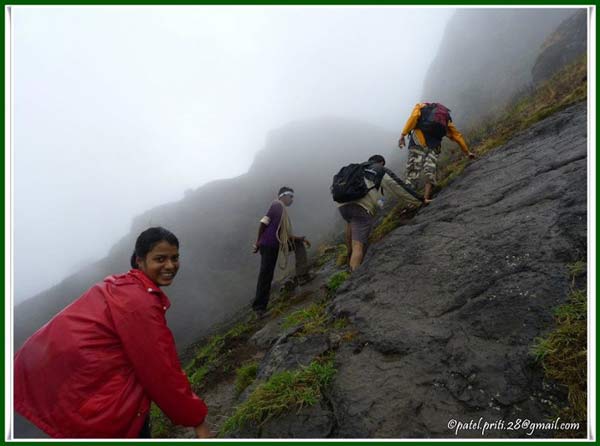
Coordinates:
[374,173]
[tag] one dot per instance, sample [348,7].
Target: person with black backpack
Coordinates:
[427,125]
[358,190]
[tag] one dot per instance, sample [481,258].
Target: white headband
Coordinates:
[286,193]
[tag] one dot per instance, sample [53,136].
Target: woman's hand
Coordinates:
[255,248]
[203,431]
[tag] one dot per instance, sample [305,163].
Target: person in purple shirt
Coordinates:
[274,235]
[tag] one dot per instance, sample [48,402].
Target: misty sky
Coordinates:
[119,109]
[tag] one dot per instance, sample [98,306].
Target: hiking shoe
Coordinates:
[305,278]
[260,314]
[289,285]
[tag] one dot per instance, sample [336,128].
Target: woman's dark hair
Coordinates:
[285,189]
[148,239]
[377,159]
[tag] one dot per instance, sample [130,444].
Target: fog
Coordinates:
[119,109]
[495,77]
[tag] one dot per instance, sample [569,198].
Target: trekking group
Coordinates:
[93,370]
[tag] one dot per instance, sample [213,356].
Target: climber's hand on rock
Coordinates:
[401,142]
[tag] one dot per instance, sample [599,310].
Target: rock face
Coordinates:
[448,307]
[291,353]
[562,47]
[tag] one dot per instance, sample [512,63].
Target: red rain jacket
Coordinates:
[92,371]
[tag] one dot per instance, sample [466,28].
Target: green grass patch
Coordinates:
[390,222]
[341,323]
[283,392]
[282,303]
[576,269]
[565,88]
[451,172]
[160,425]
[198,375]
[286,300]
[245,375]
[336,281]
[563,352]
[215,358]
[313,319]
[342,255]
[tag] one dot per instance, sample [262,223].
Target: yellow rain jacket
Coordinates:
[451,133]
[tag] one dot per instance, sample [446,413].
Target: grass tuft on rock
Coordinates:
[394,218]
[216,356]
[245,375]
[336,281]
[313,319]
[563,352]
[282,393]
[576,270]
[342,255]
[160,425]
[288,299]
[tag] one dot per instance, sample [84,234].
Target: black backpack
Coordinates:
[434,120]
[349,183]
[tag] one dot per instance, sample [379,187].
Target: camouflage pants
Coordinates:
[421,160]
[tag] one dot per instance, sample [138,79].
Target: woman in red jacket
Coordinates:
[92,371]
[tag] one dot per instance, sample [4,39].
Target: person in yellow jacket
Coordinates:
[427,125]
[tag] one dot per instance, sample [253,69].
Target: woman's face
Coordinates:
[161,263]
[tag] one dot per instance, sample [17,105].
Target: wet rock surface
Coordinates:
[448,307]
[270,333]
[311,422]
[292,353]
